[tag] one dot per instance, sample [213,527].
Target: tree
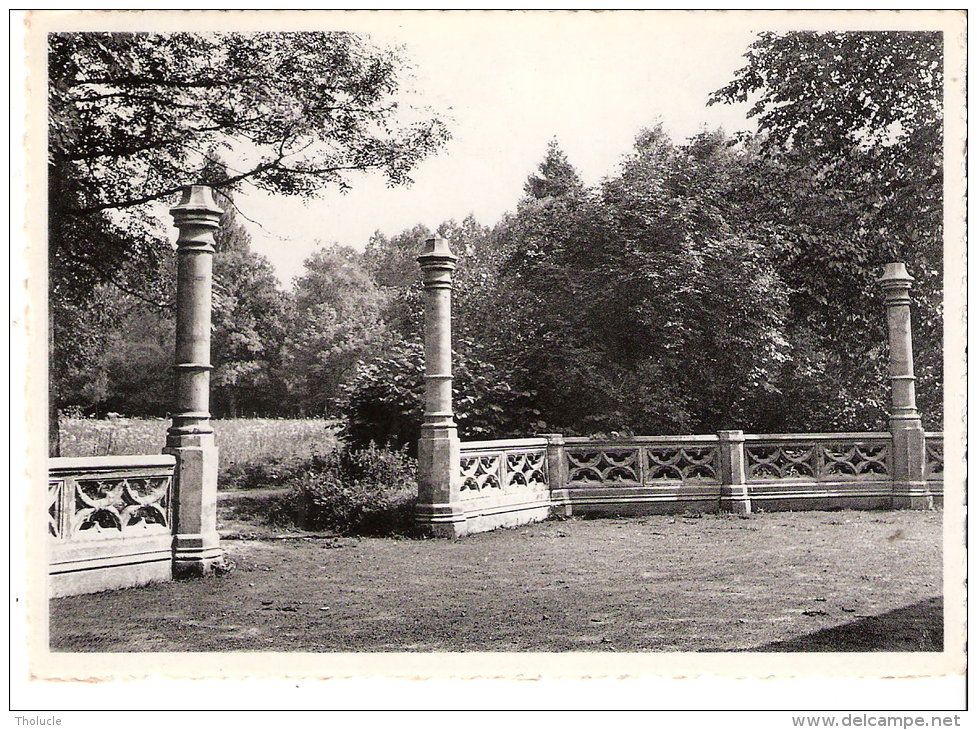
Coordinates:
[392,265]
[533,331]
[555,178]
[336,323]
[250,319]
[138,361]
[81,379]
[117,351]
[136,117]
[851,134]
[691,311]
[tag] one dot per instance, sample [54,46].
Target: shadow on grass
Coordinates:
[918,627]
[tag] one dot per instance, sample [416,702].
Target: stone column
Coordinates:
[909,488]
[438,451]
[557,474]
[734,495]
[196,547]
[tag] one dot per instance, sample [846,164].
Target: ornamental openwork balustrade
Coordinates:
[506,467]
[641,463]
[508,482]
[662,474]
[819,457]
[110,521]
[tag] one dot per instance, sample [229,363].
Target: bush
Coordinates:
[266,471]
[384,402]
[368,491]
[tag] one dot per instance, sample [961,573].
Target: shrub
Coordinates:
[384,402]
[264,471]
[368,491]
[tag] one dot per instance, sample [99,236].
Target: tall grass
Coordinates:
[240,440]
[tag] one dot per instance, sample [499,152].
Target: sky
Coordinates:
[508,83]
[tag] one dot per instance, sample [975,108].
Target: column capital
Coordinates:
[197,208]
[436,254]
[896,281]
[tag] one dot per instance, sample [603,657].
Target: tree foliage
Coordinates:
[637,305]
[249,325]
[336,323]
[719,282]
[850,178]
[135,117]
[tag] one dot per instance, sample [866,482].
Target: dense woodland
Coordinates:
[725,281]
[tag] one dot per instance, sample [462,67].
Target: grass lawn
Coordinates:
[807,581]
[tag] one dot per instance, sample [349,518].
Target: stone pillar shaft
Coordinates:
[908,443]
[437,343]
[439,451]
[190,439]
[193,309]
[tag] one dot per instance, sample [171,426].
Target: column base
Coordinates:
[736,500]
[736,506]
[560,505]
[441,520]
[197,556]
[912,495]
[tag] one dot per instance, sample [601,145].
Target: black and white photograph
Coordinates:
[492,344]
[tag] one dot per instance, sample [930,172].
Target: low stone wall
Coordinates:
[511,482]
[934,466]
[643,475]
[109,522]
[503,483]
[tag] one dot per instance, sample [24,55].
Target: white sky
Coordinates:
[509,83]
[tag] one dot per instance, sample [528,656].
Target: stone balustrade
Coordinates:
[728,471]
[110,522]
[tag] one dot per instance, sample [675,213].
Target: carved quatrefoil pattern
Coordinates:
[603,465]
[686,464]
[120,505]
[781,462]
[481,472]
[503,470]
[934,459]
[623,466]
[526,469]
[854,460]
[817,461]
[54,508]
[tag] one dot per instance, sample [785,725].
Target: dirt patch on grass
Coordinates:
[810,581]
